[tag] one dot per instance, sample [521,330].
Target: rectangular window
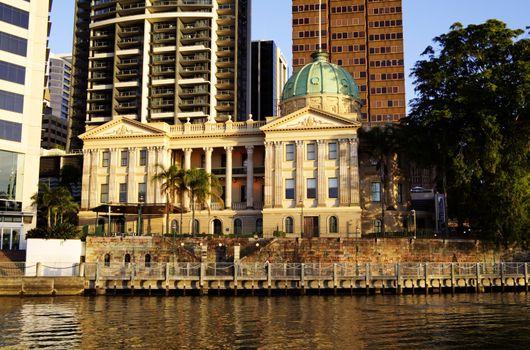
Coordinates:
[123,193]
[11,101]
[142,191]
[289,152]
[104,197]
[12,72]
[124,158]
[376,192]
[311,149]
[13,44]
[333,187]
[143,157]
[10,131]
[12,15]
[311,188]
[243,193]
[105,159]
[400,193]
[289,188]
[332,150]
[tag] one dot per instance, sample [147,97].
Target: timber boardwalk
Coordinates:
[205,278]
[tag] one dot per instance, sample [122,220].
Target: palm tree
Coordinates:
[202,185]
[383,144]
[55,202]
[172,179]
[43,201]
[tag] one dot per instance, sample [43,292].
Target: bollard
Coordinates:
[335,277]
[39,270]
[302,278]
[426,272]
[526,277]
[367,278]
[502,277]
[81,271]
[477,286]
[398,280]
[452,278]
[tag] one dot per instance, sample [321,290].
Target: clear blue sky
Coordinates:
[271,19]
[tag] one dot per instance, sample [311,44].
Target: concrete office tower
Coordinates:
[364,37]
[161,60]
[55,116]
[24,28]
[59,82]
[269,75]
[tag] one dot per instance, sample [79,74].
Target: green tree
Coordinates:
[202,186]
[54,204]
[471,120]
[382,144]
[172,184]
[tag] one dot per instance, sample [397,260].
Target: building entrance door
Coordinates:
[311,227]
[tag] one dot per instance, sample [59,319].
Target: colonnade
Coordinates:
[94,173]
[348,172]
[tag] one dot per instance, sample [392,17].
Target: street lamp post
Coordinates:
[302,218]
[140,201]
[110,226]
[413,212]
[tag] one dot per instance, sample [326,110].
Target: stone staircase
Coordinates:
[12,256]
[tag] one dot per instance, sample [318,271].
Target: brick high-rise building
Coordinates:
[366,38]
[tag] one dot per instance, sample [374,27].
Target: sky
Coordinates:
[422,20]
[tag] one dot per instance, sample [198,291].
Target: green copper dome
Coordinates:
[321,77]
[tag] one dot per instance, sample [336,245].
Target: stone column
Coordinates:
[321,174]
[85,184]
[278,176]
[94,183]
[187,166]
[208,167]
[162,158]
[343,172]
[250,176]
[114,158]
[132,185]
[299,183]
[153,188]
[269,165]
[354,172]
[228,177]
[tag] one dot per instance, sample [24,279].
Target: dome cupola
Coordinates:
[321,84]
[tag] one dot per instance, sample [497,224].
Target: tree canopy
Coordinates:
[470,119]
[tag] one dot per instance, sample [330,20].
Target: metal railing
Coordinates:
[262,271]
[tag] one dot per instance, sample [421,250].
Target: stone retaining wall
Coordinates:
[388,250]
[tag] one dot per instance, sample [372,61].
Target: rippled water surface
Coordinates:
[469,321]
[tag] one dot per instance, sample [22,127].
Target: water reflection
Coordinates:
[446,322]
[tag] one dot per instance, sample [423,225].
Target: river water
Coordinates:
[464,321]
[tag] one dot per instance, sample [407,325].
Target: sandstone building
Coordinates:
[298,172]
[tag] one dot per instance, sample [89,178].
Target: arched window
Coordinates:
[147,260]
[127,258]
[333,225]
[174,227]
[259,226]
[289,225]
[196,227]
[238,226]
[217,227]
[107,260]
[377,225]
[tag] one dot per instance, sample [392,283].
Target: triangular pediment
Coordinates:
[310,118]
[122,127]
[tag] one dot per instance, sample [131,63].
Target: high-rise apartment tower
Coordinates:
[363,36]
[160,60]
[24,27]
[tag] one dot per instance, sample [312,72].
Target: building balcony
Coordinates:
[98,109]
[161,59]
[195,26]
[126,106]
[224,95]
[199,90]
[128,62]
[196,102]
[132,8]
[162,103]
[125,95]
[164,27]
[127,73]
[128,31]
[160,92]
